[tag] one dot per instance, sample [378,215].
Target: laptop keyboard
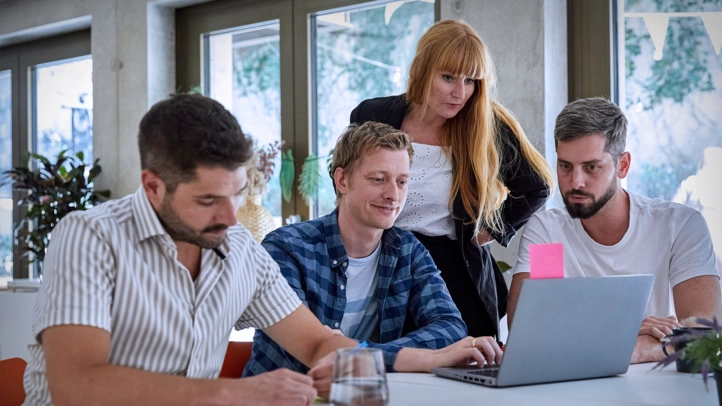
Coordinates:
[486,371]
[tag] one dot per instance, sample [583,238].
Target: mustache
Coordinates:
[577,192]
[217,227]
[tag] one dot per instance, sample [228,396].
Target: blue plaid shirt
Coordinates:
[312,258]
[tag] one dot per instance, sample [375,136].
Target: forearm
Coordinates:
[113,385]
[328,345]
[647,349]
[414,360]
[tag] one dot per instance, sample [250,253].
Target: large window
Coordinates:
[243,68]
[359,54]
[670,87]
[45,107]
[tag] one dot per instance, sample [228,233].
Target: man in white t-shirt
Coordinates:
[607,230]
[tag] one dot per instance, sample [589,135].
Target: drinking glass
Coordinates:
[359,378]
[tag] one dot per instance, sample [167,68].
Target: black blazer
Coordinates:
[527,194]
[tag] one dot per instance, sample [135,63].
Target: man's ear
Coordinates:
[154,187]
[624,163]
[341,181]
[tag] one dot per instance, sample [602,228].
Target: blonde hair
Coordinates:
[471,137]
[357,140]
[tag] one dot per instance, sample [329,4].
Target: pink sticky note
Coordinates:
[546,261]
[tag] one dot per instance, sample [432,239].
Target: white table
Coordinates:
[637,387]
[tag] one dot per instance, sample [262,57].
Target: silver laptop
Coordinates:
[567,329]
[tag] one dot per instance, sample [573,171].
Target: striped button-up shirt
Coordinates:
[114,267]
[313,260]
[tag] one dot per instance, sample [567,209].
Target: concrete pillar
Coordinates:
[528,42]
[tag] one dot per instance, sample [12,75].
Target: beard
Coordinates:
[582,211]
[181,231]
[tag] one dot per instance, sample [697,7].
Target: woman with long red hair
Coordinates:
[475,176]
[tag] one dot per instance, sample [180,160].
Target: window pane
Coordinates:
[6,197]
[64,108]
[360,54]
[671,90]
[244,74]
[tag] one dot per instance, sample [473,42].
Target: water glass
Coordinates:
[359,378]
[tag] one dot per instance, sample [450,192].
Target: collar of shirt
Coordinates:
[390,243]
[147,222]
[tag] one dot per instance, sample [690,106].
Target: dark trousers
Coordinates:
[447,256]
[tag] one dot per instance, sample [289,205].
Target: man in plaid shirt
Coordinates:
[360,275]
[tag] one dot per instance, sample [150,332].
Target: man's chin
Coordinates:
[577,210]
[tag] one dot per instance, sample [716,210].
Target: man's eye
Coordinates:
[206,203]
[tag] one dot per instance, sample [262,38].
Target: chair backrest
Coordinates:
[237,356]
[12,392]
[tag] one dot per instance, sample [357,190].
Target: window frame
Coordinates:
[592,54]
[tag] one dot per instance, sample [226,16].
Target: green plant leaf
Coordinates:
[310,178]
[503,266]
[80,155]
[41,158]
[25,159]
[288,172]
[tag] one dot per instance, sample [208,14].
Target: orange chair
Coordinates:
[12,392]
[237,356]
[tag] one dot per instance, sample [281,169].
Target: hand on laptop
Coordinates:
[466,351]
[658,327]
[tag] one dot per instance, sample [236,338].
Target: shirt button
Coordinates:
[344,264]
[342,287]
[335,262]
[336,325]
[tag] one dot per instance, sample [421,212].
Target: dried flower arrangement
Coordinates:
[260,168]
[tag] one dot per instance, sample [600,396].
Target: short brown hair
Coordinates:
[185,131]
[356,140]
[593,116]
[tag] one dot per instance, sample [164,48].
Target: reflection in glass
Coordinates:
[674,105]
[244,75]
[360,54]
[6,198]
[63,110]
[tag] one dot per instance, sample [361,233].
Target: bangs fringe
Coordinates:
[463,57]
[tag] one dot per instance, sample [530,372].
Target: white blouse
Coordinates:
[427,209]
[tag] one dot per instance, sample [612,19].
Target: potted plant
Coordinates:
[698,347]
[53,189]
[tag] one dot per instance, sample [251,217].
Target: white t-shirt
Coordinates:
[668,240]
[360,316]
[427,209]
